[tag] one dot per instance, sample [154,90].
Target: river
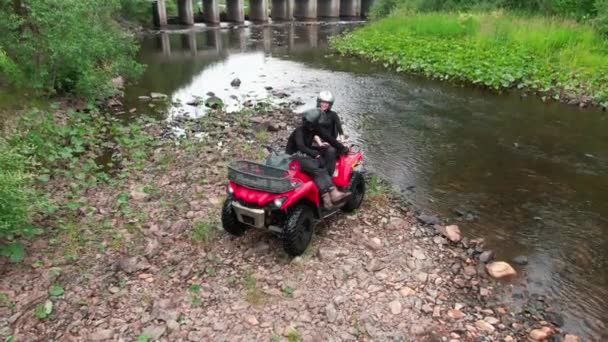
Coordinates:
[529,177]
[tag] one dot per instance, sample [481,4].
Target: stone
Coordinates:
[172,325]
[197,336]
[143,98]
[509,339]
[329,253]
[236,82]
[180,227]
[538,335]
[500,269]
[486,256]
[139,195]
[374,244]
[437,311]
[251,320]
[428,219]
[422,277]
[158,96]
[427,308]
[101,335]
[520,260]
[455,314]
[484,326]
[407,291]
[555,318]
[114,290]
[470,270]
[419,254]
[375,265]
[395,307]
[491,320]
[571,338]
[331,313]
[154,332]
[452,232]
[219,326]
[133,264]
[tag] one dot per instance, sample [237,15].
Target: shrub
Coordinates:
[16,195]
[63,46]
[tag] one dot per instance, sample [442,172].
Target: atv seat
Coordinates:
[279,160]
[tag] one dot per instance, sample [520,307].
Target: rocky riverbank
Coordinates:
[147,260]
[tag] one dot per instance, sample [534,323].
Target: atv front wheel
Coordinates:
[298,229]
[230,222]
[357,188]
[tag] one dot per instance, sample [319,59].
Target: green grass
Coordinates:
[498,50]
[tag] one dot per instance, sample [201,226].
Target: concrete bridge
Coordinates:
[280,10]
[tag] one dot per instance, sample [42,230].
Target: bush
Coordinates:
[16,195]
[601,20]
[64,46]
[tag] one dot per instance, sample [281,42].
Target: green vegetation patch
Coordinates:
[554,57]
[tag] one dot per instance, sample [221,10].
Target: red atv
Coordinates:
[281,198]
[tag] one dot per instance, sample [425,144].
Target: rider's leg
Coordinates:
[319,175]
[329,157]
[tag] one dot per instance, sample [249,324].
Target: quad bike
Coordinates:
[279,197]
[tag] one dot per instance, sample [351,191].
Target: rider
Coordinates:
[300,144]
[330,124]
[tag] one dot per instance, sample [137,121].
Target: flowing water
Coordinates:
[529,177]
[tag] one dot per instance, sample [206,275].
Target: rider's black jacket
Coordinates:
[330,123]
[301,140]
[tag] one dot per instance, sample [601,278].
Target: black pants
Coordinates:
[329,156]
[314,168]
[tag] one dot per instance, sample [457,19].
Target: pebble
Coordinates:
[571,338]
[395,307]
[455,314]
[407,291]
[452,232]
[486,256]
[114,289]
[520,260]
[331,313]
[491,320]
[101,334]
[251,320]
[484,326]
[419,254]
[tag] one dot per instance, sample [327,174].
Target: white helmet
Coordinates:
[325,96]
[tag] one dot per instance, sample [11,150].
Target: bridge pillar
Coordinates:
[159,13]
[211,12]
[365,6]
[258,10]
[186,13]
[328,8]
[305,9]
[282,10]
[235,11]
[350,8]
[165,43]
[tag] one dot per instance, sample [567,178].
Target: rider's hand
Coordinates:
[325,144]
[344,149]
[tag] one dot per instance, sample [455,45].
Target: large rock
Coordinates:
[520,260]
[486,256]
[452,232]
[500,269]
[428,219]
[101,335]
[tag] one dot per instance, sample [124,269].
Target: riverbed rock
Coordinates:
[214,102]
[158,96]
[500,269]
[556,318]
[236,82]
[428,219]
[101,335]
[571,338]
[143,98]
[486,256]
[541,334]
[520,260]
[395,307]
[452,232]
[484,326]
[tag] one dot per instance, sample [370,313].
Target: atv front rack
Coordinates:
[261,177]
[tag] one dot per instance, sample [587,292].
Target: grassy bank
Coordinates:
[553,57]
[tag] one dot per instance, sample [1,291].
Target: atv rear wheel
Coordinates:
[357,188]
[298,229]
[230,222]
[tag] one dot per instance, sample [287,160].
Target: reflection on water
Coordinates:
[527,176]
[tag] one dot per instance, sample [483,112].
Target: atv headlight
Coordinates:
[230,190]
[278,202]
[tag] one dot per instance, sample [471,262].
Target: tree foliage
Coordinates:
[64,46]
